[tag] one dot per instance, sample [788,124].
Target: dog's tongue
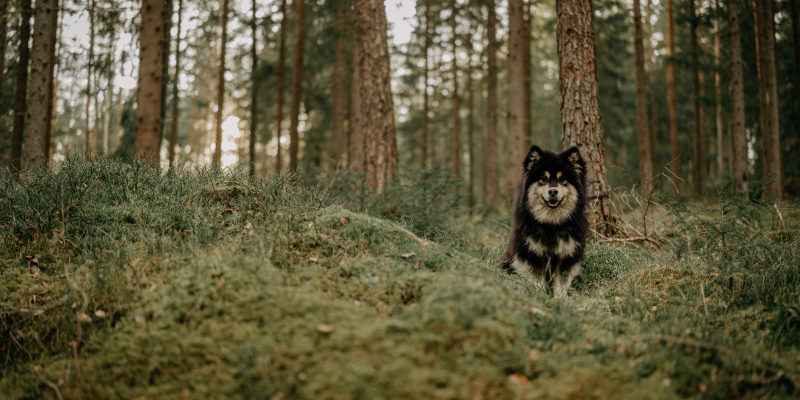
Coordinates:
[553,203]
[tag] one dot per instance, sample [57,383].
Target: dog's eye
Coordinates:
[562,179]
[543,180]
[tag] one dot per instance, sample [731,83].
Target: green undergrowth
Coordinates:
[205,283]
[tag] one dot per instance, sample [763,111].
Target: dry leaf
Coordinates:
[313,259]
[100,314]
[326,329]
[310,224]
[449,255]
[617,299]
[408,255]
[139,319]
[537,310]
[423,244]
[248,226]
[83,317]
[519,379]
[152,287]
[345,220]
[533,355]
[185,392]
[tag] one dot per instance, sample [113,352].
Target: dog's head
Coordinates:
[553,184]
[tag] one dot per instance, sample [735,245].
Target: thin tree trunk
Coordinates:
[645,158]
[765,90]
[109,93]
[221,84]
[168,9]
[41,95]
[3,41]
[697,165]
[491,186]
[796,37]
[775,111]
[356,152]
[526,73]
[192,123]
[376,104]
[425,77]
[516,98]
[739,153]
[297,84]
[173,133]
[650,47]
[87,140]
[580,110]
[339,82]
[281,79]
[672,102]
[718,94]
[148,113]
[456,127]
[388,128]
[55,56]
[471,176]
[21,100]
[254,92]
[119,118]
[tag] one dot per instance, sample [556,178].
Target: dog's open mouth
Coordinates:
[553,203]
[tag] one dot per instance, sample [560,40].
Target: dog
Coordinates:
[549,233]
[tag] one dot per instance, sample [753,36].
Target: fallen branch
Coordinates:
[48,383]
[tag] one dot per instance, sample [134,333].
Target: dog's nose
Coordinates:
[552,192]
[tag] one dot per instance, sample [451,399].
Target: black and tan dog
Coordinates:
[549,234]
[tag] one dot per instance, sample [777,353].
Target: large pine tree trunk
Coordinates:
[645,158]
[148,110]
[253,92]
[41,90]
[516,97]
[297,84]
[580,110]
[766,70]
[697,168]
[425,76]
[281,79]
[672,102]
[339,83]
[221,84]
[21,98]
[376,104]
[456,127]
[491,187]
[739,153]
[356,143]
[173,133]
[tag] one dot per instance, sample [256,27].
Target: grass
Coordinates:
[205,283]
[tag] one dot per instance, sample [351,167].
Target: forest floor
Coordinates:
[209,284]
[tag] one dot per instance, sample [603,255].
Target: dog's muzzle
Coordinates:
[553,198]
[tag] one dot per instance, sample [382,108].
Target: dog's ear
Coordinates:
[533,157]
[573,156]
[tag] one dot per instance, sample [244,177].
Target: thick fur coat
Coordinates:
[548,236]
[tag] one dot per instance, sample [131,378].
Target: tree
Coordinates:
[41,95]
[739,153]
[339,81]
[490,156]
[281,79]
[374,85]
[21,98]
[87,140]
[698,112]
[165,66]
[173,133]
[3,42]
[254,90]
[770,134]
[109,91]
[516,97]
[356,143]
[297,84]
[221,83]
[425,78]
[645,158]
[672,101]
[718,92]
[580,110]
[148,113]
[455,99]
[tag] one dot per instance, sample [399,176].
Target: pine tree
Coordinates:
[645,158]
[356,143]
[456,115]
[718,91]
[516,97]
[87,140]
[426,76]
[697,172]
[281,79]
[672,101]
[173,133]
[221,83]
[148,113]
[339,83]
[766,71]
[580,109]
[21,98]
[297,85]
[3,41]
[490,180]
[254,91]
[739,153]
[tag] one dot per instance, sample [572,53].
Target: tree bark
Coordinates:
[109,93]
[297,84]
[168,9]
[339,82]
[672,102]
[87,140]
[425,77]
[21,100]
[356,151]
[53,89]
[739,153]
[376,104]
[41,95]
[254,91]
[173,133]
[580,111]
[221,84]
[456,127]
[281,79]
[471,180]
[645,158]
[650,47]
[718,95]
[775,109]
[3,41]
[697,165]
[526,73]
[491,186]
[516,98]
[766,70]
[148,113]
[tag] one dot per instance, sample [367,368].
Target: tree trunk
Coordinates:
[254,92]
[148,113]
[526,73]
[173,133]
[297,84]
[739,153]
[650,47]
[425,77]
[580,111]
[281,79]
[516,98]
[87,140]
[766,70]
[645,158]
[456,127]
[775,111]
[221,84]
[21,101]
[375,95]
[119,118]
[491,186]
[356,151]
[109,93]
[3,41]
[672,102]
[41,95]
[471,180]
[192,123]
[53,89]
[339,82]
[389,131]
[165,68]
[697,164]
[718,95]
